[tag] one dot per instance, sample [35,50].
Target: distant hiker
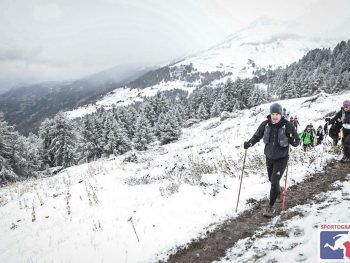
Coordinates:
[296,122]
[319,135]
[284,112]
[325,127]
[277,133]
[343,116]
[291,120]
[314,141]
[307,138]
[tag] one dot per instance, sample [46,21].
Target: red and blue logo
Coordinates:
[334,243]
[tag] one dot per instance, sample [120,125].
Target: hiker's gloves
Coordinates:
[293,141]
[247,144]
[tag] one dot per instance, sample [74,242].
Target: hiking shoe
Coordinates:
[269,212]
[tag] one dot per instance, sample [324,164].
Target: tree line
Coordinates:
[160,119]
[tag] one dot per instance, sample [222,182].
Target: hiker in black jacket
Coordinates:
[277,133]
[343,117]
[325,127]
[319,135]
[335,130]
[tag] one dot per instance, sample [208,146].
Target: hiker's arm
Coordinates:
[336,117]
[293,137]
[258,134]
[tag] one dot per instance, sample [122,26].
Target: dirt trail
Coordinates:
[214,245]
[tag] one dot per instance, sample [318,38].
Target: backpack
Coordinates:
[307,137]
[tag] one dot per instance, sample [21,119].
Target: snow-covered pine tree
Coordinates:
[131,116]
[26,155]
[149,112]
[202,113]
[116,140]
[6,143]
[215,110]
[258,97]
[108,135]
[169,129]
[143,133]
[159,103]
[59,141]
[88,146]
[159,125]
[123,141]
[228,95]
[46,135]
[179,113]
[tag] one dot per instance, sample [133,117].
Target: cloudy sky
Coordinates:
[63,39]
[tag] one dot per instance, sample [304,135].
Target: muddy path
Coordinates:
[215,244]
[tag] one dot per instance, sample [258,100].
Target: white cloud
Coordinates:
[67,39]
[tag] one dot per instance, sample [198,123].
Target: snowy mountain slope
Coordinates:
[125,96]
[117,211]
[263,44]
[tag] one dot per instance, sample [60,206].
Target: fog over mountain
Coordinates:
[65,40]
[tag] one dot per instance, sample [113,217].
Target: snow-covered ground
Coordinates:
[117,211]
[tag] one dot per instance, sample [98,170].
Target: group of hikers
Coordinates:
[311,137]
[278,134]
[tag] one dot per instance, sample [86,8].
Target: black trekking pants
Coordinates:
[275,170]
[346,142]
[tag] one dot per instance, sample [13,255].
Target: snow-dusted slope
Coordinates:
[117,211]
[264,44]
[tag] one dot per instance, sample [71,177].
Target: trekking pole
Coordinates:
[284,193]
[240,184]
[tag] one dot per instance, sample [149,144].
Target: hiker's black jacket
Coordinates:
[277,137]
[341,119]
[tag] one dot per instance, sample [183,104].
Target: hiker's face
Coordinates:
[275,117]
[308,129]
[346,108]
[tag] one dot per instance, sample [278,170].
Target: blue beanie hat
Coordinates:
[276,108]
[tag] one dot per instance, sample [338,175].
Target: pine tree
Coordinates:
[143,133]
[202,113]
[258,97]
[109,136]
[149,112]
[179,113]
[169,129]
[88,144]
[123,141]
[215,109]
[131,116]
[59,140]
[229,93]
[6,152]
[26,155]
[159,103]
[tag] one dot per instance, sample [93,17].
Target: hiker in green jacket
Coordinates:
[307,138]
